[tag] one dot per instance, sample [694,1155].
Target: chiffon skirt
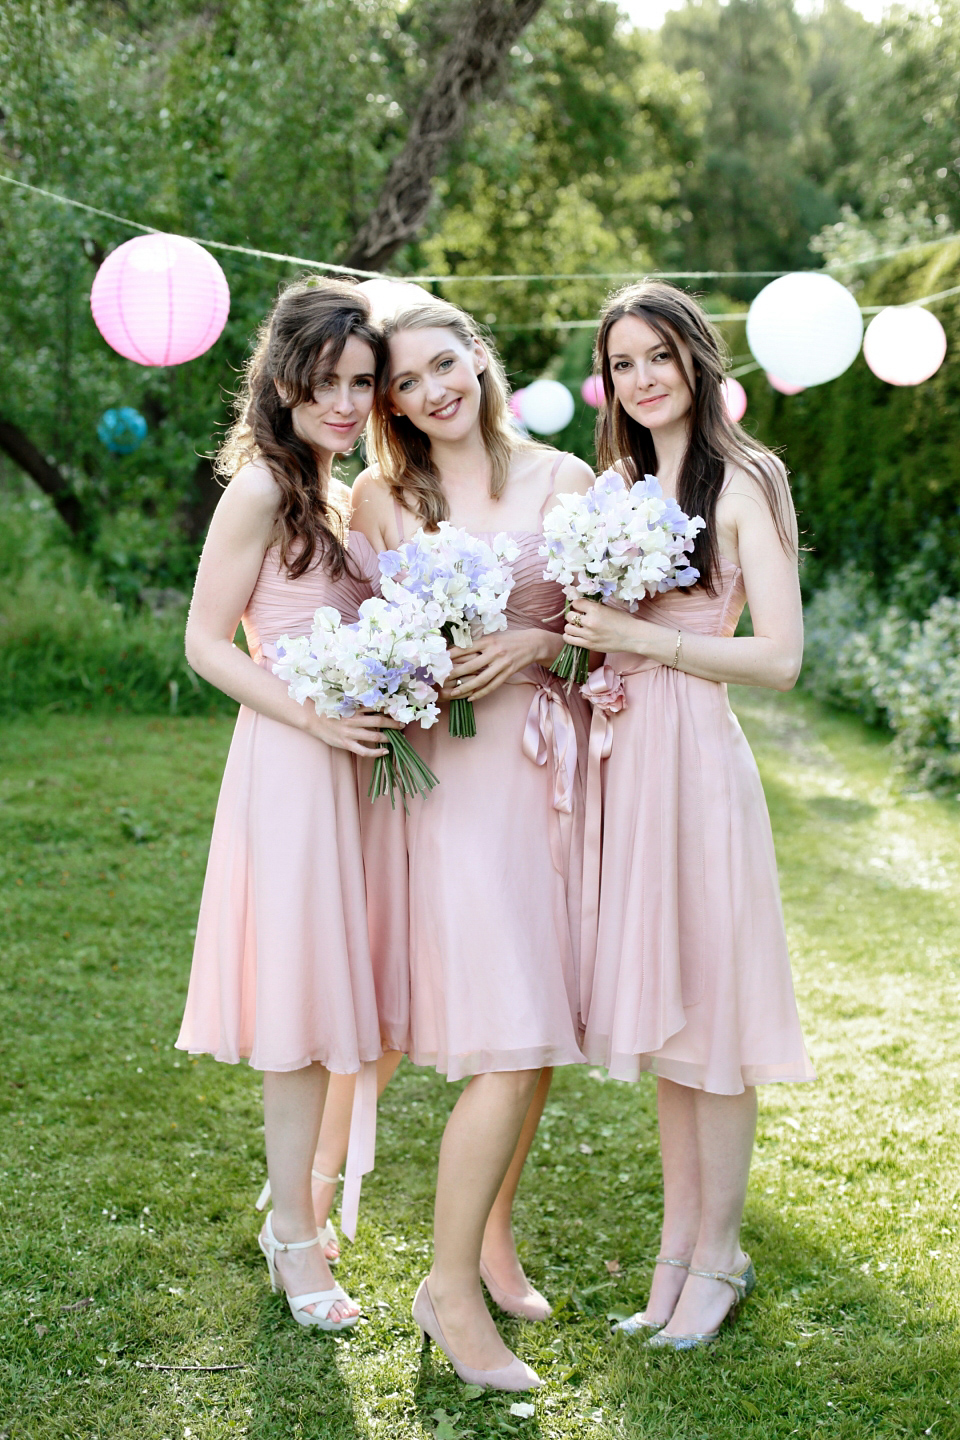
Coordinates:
[495,857]
[282,972]
[692,977]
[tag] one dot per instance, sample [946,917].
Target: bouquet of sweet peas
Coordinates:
[462,584]
[391,662]
[616,542]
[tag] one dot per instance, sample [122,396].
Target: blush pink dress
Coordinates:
[495,862]
[686,971]
[282,970]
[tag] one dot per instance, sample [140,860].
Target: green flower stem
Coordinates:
[463,719]
[400,769]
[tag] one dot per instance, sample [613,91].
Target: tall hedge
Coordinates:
[876,467]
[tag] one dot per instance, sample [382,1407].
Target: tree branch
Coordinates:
[466,67]
[51,481]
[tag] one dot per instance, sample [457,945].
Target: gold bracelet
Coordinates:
[678,651]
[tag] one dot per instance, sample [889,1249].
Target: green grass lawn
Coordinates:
[127,1233]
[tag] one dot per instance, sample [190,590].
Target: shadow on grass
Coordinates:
[819,1349]
[298,1387]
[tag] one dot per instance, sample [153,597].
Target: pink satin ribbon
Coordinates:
[549,733]
[361,1147]
[605,691]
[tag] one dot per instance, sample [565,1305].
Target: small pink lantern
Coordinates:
[160,299]
[592,391]
[783,387]
[734,398]
[904,345]
[515,402]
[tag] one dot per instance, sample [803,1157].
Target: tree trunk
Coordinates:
[488,28]
[51,481]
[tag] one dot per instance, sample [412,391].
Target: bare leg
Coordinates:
[499,1248]
[725,1131]
[292,1107]
[477,1149]
[335,1133]
[679,1156]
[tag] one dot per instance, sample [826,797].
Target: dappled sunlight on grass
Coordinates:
[130,1170]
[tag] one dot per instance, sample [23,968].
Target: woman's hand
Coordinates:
[360,734]
[484,666]
[603,628]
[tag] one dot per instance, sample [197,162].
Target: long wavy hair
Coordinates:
[299,342]
[403,452]
[715,440]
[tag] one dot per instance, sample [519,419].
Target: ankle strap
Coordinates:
[737,1283]
[326,1179]
[287,1244]
[680,1264]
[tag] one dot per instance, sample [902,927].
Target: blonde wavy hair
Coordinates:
[402,452]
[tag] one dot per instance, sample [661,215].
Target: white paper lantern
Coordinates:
[388,297]
[546,406]
[782,387]
[904,345]
[805,328]
[734,398]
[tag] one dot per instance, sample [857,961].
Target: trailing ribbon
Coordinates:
[362,1146]
[605,691]
[549,733]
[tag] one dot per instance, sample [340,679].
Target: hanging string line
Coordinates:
[209,244]
[496,279]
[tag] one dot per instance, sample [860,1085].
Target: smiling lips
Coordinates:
[448,411]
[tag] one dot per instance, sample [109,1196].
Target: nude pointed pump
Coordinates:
[742,1283]
[322,1300]
[515,1376]
[532,1306]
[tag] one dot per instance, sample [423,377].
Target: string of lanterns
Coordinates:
[162,299]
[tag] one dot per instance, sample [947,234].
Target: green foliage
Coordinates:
[875,467]
[895,671]
[64,647]
[130,1169]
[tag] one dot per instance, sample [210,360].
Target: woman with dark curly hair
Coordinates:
[282,973]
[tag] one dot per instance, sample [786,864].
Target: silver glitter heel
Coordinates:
[636,1325]
[741,1284]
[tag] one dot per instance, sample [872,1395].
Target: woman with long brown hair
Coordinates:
[282,973]
[495,849]
[691,978]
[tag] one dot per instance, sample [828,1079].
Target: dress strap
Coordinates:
[398,516]
[553,479]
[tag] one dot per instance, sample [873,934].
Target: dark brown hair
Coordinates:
[299,343]
[403,451]
[715,440]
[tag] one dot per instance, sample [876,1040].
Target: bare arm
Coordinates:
[240,533]
[373,511]
[771,657]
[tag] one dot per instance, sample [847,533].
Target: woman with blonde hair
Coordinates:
[282,973]
[495,850]
[692,976]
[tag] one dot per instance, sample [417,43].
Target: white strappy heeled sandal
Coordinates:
[328,1235]
[324,1300]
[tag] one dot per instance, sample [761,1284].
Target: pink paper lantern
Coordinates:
[734,398]
[592,391]
[904,345]
[160,299]
[783,386]
[515,401]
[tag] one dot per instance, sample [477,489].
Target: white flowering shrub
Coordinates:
[892,670]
